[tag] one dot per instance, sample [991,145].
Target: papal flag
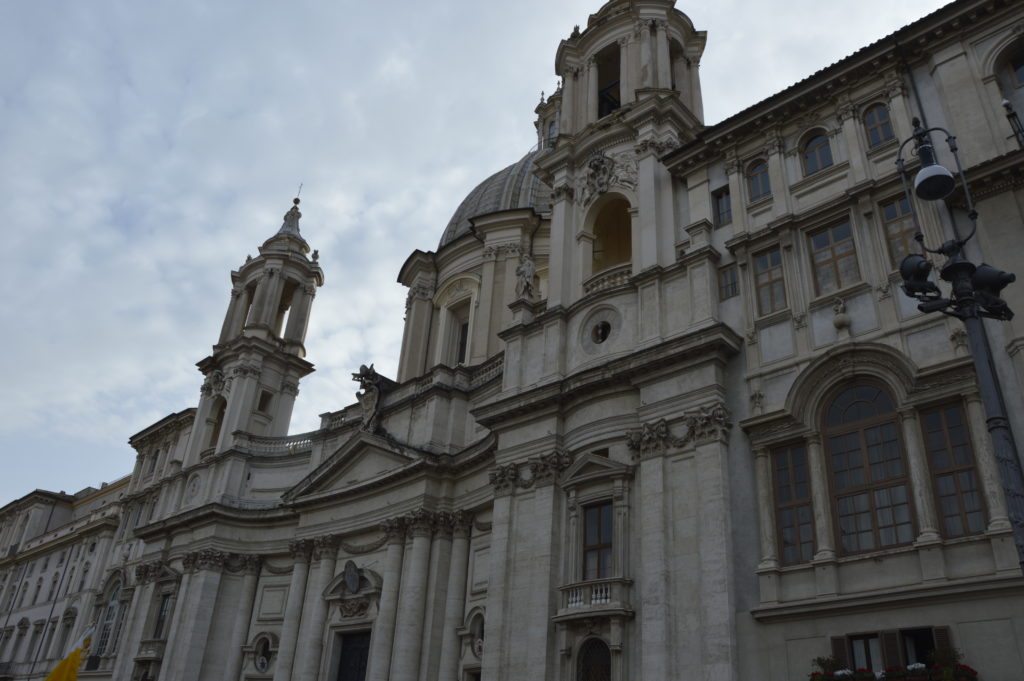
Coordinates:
[67,669]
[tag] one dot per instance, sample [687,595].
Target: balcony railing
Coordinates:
[609,278]
[600,596]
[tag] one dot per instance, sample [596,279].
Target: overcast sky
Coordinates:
[147,147]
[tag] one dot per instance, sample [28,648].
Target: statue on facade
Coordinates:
[526,278]
[368,395]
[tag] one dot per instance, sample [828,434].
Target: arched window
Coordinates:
[816,153]
[877,125]
[609,97]
[613,237]
[110,622]
[870,490]
[594,661]
[757,180]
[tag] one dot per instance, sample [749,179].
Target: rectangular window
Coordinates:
[722,204]
[899,230]
[957,491]
[867,653]
[728,282]
[771,288]
[597,541]
[793,514]
[161,616]
[833,258]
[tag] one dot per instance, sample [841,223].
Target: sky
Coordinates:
[147,148]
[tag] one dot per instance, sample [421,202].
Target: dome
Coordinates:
[514,187]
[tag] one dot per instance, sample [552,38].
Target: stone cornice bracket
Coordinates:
[545,468]
[300,550]
[461,522]
[504,478]
[709,423]
[652,439]
[147,572]
[658,147]
[393,529]
[325,546]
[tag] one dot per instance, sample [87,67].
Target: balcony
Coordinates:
[609,278]
[596,598]
[150,649]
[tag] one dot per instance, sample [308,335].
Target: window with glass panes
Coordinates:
[1017,66]
[768,280]
[834,258]
[728,282]
[899,230]
[794,515]
[817,154]
[723,206]
[870,489]
[161,616]
[597,541]
[957,491]
[877,125]
[757,180]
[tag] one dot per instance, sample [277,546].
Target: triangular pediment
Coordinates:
[364,458]
[590,467]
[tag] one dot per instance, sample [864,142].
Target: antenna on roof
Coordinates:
[298,192]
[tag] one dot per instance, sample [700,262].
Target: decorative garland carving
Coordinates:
[353,607]
[358,549]
[504,478]
[604,172]
[709,422]
[545,468]
[704,424]
[652,439]
[206,559]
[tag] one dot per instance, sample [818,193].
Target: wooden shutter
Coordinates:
[841,651]
[890,641]
[942,638]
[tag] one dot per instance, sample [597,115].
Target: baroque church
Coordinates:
[662,409]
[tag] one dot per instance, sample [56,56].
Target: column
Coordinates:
[917,467]
[172,652]
[655,620]
[773,149]
[495,654]
[240,627]
[293,609]
[455,603]
[626,88]
[821,500]
[591,90]
[231,322]
[646,56]
[311,636]
[205,585]
[664,64]
[565,118]
[766,506]
[379,662]
[988,468]
[298,317]
[133,629]
[737,195]
[409,627]
[436,600]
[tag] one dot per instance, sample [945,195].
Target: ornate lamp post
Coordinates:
[974,293]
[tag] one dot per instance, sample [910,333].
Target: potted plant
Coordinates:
[861,674]
[895,673]
[962,672]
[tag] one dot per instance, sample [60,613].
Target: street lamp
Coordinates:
[974,293]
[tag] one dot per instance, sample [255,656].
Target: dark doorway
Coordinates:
[355,648]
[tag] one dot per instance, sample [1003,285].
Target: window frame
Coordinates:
[955,470]
[731,288]
[904,236]
[759,183]
[778,268]
[819,152]
[792,504]
[600,548]
[721,207]
[882,128]
[834,258]
[868,487]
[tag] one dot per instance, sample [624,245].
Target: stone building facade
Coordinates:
[661,412]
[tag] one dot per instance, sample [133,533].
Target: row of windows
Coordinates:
[833,259]
[815,155]
[868,479]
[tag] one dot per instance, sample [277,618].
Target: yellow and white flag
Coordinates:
[67,669]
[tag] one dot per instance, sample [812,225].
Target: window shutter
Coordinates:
[891,648]
[942,638]
[840,652]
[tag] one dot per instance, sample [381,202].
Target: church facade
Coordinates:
[662,410]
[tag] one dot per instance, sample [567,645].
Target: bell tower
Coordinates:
[252,377]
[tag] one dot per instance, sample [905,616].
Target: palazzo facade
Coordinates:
[662,410]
